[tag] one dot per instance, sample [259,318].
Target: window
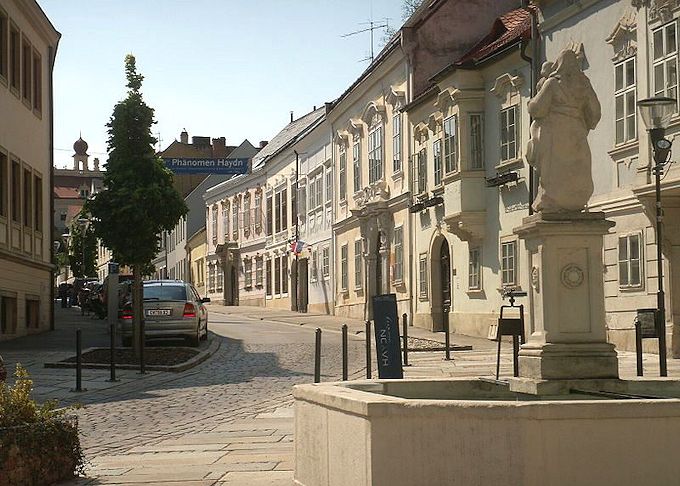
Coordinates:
[343,173]
[28,197]
[8,324]
[421,171]
[284,209]
[356,163]
[375,155]
[37,82]
[220,277]
[38,203]
[32,313]
[476,141]
[269,277]
[269,221]
[213,224]
[329,185]
[225,220]
[277,275]
[437,155]
[258,271]
[450,127]
[211,278]
[624,95]
[422,275]
[665,64]
[319,190]
[284,274]
[4,52]
[343,267]
[629,261]
[248,270]
[26,75]
[16,190]
[14,55]
[325,262]
[509,263]
[258,211]
[235,207]
[509,133]
[398,274]
[315,268]
[246,215]
[358,273]
[474,275]
[293,206]
[3,185]
[396,143]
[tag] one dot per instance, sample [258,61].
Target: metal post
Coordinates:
[447,337]
[515,355]
[660,298]
[344,352]
[498,355]
[405,337]
[638,347]
[112,333]
[368,349]
[142,364]
[317,357]
[79,362]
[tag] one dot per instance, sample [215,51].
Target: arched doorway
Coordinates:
[440,295]
[445,272]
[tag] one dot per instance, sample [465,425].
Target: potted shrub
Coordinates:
[39,444]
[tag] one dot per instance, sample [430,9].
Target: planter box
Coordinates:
[41,453]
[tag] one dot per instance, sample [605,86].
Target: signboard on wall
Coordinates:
[207,166]
[387,344]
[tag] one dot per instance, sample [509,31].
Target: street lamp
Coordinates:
[656,114]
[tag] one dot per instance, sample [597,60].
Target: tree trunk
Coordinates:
[137,309]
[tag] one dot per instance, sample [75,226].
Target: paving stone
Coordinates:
[270,478]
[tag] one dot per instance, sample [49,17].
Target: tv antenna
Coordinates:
[372,26]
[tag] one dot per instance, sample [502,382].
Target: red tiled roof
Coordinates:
[506,30]
[61,192]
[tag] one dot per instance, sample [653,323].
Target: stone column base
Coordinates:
[556,361]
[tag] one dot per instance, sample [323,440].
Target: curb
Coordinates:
[214,346]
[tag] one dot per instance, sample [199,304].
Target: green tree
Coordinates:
[139,200]
[82,250]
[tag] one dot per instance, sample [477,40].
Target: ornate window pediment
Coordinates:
[506,83]
[421,132]
[341,138]
[355,127]
[395,98]
[446,98]
[373,113]
[659,10]
[623,38]
[434,122]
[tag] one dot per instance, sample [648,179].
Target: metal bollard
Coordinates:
[405,333]
[142,364]
[112,347]
[79,362]
[447,337]
[368,349]
[317,357]
[344,352]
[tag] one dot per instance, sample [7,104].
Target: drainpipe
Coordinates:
[411,216]
[296,307]
[534,62]
[51,54]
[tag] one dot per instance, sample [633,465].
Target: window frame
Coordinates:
[326,262]
[627,115]
[344,270]
[450,141]
[423,287]
[376,167]
[396,142]
[666,59]
[4,46]
[437,160]
[475,269]
[358,265]
[356,164]
[342,173]
[507,129]
[476,140]
[628,285]
[504,270]
[398,243]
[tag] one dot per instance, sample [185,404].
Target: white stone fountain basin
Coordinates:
[474,432]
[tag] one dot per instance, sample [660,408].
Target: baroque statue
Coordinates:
[564,110]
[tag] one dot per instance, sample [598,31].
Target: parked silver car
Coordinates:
[172,309]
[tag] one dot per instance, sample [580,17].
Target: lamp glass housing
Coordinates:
[657,112]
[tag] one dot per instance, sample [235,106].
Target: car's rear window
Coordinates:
[165,292]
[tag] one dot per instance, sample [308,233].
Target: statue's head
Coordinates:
[567,63]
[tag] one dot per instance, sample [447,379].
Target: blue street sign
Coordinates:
[207,166]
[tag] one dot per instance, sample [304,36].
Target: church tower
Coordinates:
[80,158]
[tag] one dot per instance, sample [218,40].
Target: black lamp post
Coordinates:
[656,114]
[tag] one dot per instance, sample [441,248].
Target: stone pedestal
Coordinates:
[567,338]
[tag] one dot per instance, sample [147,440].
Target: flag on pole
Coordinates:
[296,247]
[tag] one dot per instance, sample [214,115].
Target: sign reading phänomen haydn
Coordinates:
[207,166]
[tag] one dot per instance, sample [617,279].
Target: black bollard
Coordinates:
[447,337]
[112,347]
[344,352]
[368,349]
[405,333]
[142,364]
[79,362]
[317,357]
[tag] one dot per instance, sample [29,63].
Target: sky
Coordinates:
[231,68]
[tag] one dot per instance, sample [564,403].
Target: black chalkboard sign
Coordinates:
[387,345]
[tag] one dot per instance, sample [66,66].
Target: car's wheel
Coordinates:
[205,332]
[127,341]
[194,341]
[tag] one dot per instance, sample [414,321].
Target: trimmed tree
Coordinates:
[139,200]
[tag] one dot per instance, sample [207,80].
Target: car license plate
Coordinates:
[158,312]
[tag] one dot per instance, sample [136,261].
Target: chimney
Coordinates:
[219,147]
[291,117]
[263,144]
[184,136]
[200,142]
[314,108]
